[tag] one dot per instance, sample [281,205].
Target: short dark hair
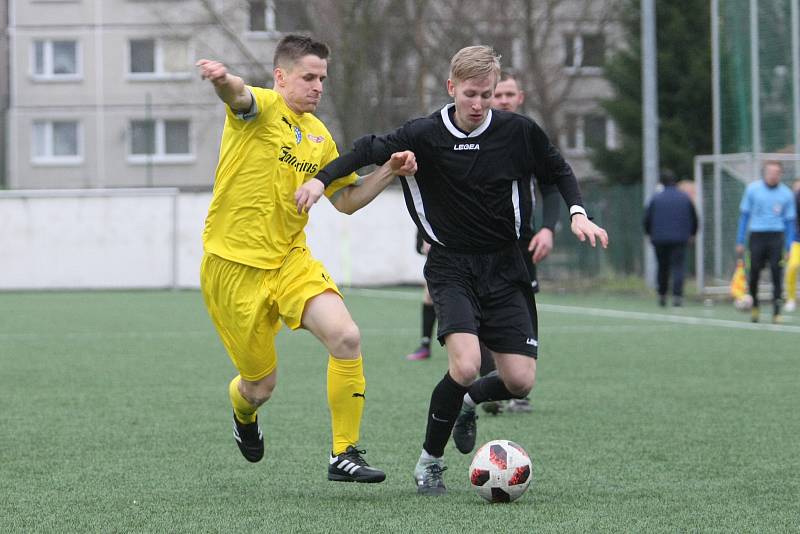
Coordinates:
[508,74]
[292,47]
[668,178]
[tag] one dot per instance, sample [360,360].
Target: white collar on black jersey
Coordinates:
[453,129]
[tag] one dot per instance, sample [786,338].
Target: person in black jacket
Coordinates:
[465,198]
[671,221]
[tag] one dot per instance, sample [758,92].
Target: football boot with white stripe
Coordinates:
[351,467]
[429,478]
[249,439]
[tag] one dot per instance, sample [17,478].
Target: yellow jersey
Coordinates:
[265,155]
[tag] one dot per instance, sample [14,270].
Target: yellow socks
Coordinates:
[244,411]
[346,387]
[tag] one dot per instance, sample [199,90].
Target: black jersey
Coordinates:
[467,192]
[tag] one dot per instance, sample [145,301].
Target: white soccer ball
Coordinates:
[501,471]
[743,303]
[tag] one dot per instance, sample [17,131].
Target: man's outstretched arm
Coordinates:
[230,89]
[554,169]
[367,150]
[354,197]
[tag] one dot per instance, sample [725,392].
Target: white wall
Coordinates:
[151,238]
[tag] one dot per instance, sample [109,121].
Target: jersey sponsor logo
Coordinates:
[467,146]
[299,165]
[359,395]
[315,138]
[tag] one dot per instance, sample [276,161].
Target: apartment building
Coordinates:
[560,53]
[103,93]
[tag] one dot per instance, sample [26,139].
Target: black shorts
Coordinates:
[488,295]
[527,257]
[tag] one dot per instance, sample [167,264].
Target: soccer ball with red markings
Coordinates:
[501,471]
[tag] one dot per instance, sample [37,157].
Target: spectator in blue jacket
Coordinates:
[671,221]
[767,210]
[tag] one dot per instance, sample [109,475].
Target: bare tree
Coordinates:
[260,74]
[390,58]
[549,82]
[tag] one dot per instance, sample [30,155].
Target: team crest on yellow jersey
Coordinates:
[298,135]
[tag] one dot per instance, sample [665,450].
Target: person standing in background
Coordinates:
[768,212]
[671,221]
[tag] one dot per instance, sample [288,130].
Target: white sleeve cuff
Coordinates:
[576,209]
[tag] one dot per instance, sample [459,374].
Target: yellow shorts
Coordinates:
[247,304]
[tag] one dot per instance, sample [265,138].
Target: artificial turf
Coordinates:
[115,418]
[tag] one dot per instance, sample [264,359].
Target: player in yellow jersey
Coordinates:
[257,270]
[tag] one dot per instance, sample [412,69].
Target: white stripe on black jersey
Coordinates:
[466,194]
[516,201]
[419,208]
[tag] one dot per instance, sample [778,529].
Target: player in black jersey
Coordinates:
[466,199]
[535,247]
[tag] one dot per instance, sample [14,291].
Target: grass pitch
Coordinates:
[115,418]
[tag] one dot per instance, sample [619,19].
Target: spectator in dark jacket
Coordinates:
[671,221]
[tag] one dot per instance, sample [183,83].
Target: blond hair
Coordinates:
[474,62]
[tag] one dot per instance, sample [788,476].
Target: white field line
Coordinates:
[617,314]
[398,295]
[660,317]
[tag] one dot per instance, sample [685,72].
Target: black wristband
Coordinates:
[325,178]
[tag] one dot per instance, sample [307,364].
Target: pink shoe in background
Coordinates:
[422,353]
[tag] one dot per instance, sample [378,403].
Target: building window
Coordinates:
[56,60]
[159,59]
[594,131]
[269,16]
[262,16]
[161,140]
[584,51]
[588,131]
[56,143]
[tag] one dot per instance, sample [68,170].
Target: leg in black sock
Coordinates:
[445,404]
[489,388]
[428,318]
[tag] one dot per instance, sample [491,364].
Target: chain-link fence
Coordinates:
[618,209]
